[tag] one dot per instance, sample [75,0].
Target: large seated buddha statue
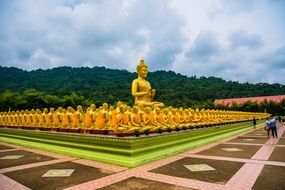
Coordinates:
[141,88]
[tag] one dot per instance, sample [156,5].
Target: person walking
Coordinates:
[272,125]
[267,127]
[254,122]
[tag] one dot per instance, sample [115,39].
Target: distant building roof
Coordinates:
[230,101]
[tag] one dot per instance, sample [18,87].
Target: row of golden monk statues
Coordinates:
[121,120]
[145,116]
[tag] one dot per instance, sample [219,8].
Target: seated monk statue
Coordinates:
[23,118]
[77,118]
[49,118]
[67,118]
[36,118]
[57,118]
[159,121]
[113,118]
[9,118]
[173,120]
[14,119]
[181,116]
[89,117]
[142,90]
[135,122]
[43,118]
[19,118]
[29,118]
[122,120]
[147,120]
[102,117]
[197,116]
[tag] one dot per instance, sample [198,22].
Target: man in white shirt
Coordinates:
[272,125]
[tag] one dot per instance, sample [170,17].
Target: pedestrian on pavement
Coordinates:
[272,125]
[254,122]
[267,127]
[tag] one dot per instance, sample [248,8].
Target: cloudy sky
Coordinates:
[239,40]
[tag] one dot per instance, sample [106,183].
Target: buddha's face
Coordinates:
[143,72]
[135,109]
[157,110]
[105,106]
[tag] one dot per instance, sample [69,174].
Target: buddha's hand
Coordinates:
[153,92]
[148,92]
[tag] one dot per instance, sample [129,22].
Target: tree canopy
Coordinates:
[67,86]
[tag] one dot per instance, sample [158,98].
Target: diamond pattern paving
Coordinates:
[135,183]
[59,173]
[3,147]
[224,170]
[25,158]
[278,154]
[214,166]
[81,173]
[232,149]
[271,177]
[11,157]
[199,167]
[246,139]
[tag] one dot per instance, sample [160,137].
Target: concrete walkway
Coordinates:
[247,161]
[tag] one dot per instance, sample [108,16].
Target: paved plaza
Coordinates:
[247,161]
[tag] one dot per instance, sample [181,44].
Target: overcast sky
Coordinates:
[239,40]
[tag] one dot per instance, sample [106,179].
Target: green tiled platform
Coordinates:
[124,151]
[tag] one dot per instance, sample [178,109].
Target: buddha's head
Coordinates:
[142,69]
[93,107]
[79,108]
[105,106]
[45,110]
[135,109]
[59,109]
[69,109]
[123,108]
[157,110]
[119,103]
[147,110]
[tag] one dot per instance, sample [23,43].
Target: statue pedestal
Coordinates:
[124,151]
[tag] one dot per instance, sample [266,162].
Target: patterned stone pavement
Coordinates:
[233,163]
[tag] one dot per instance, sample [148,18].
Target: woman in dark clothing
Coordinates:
[254,122]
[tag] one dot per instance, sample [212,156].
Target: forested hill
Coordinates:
[100,84]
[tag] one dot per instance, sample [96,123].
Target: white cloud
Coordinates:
[235,40]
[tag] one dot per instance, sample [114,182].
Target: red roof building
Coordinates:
[230,101]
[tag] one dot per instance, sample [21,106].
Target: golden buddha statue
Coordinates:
[77,118]
[57,118]
[141,88]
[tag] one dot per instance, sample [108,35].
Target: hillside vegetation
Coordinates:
[70,86]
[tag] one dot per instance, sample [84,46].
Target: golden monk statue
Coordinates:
[141,88]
